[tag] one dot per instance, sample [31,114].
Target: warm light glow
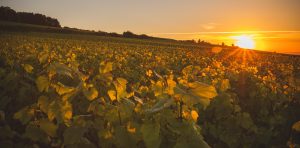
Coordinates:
[244,41]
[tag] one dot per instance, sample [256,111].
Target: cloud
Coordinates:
[209,26]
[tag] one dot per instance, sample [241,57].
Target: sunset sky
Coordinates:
[274,25]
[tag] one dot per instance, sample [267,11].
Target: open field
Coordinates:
[91,91]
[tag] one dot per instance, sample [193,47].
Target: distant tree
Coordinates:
[129,34]
[199,41]
[9,14]
[223,44]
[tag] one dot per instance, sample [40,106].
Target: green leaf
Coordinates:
[161,104]
[112,115]
[42,83]
[48,127]
[43,57]
[6,132]
[151,134]
[124,138]
[96,107]
[126,108]
[58,68]
[35,134]
[43,103]
[74,135]
[245,120]
[24,115]
[189,136]
[60,110]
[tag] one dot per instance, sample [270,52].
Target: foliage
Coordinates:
[66,91]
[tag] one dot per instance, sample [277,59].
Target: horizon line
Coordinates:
[224,32]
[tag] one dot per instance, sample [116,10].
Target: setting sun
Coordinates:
[244,41]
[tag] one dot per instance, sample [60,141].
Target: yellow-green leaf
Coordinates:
[42,83]
[171,85]
[296,126]
[28,68]
[61,89]
[224,85]
[105,67]
[120,85]
[90,94]
[24,115]
[150,132]
[43,103]
[48,127]
[202,90]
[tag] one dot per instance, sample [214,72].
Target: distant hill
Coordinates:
[293,53]
[10,20]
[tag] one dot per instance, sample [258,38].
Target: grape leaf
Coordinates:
[43,103]
[42,83]
[24,115]
[91,93]
[151,134]
[74,135]
[296,126]
[105,67]
[48,127]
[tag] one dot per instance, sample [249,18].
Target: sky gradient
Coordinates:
[274,24]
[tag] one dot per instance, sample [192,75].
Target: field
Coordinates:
[85,91]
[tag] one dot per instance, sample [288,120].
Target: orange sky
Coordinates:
[274,24]
[279,41]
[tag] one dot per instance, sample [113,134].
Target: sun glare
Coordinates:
[244,41]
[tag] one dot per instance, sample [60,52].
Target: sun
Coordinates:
[244,41]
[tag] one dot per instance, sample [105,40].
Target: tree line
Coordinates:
[8,14]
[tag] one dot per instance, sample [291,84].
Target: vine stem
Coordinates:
[119,114]
[180,110]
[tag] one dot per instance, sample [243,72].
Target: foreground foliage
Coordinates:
[80,92]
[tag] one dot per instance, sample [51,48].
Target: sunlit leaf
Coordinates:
[194,115]
[91,93]
[61,89]
[42,83]
[28,68]
[105,67]
[224,85]
[202,90]
[60,110]
[296,126]
[112,95]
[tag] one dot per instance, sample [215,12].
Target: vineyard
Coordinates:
[83,91]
